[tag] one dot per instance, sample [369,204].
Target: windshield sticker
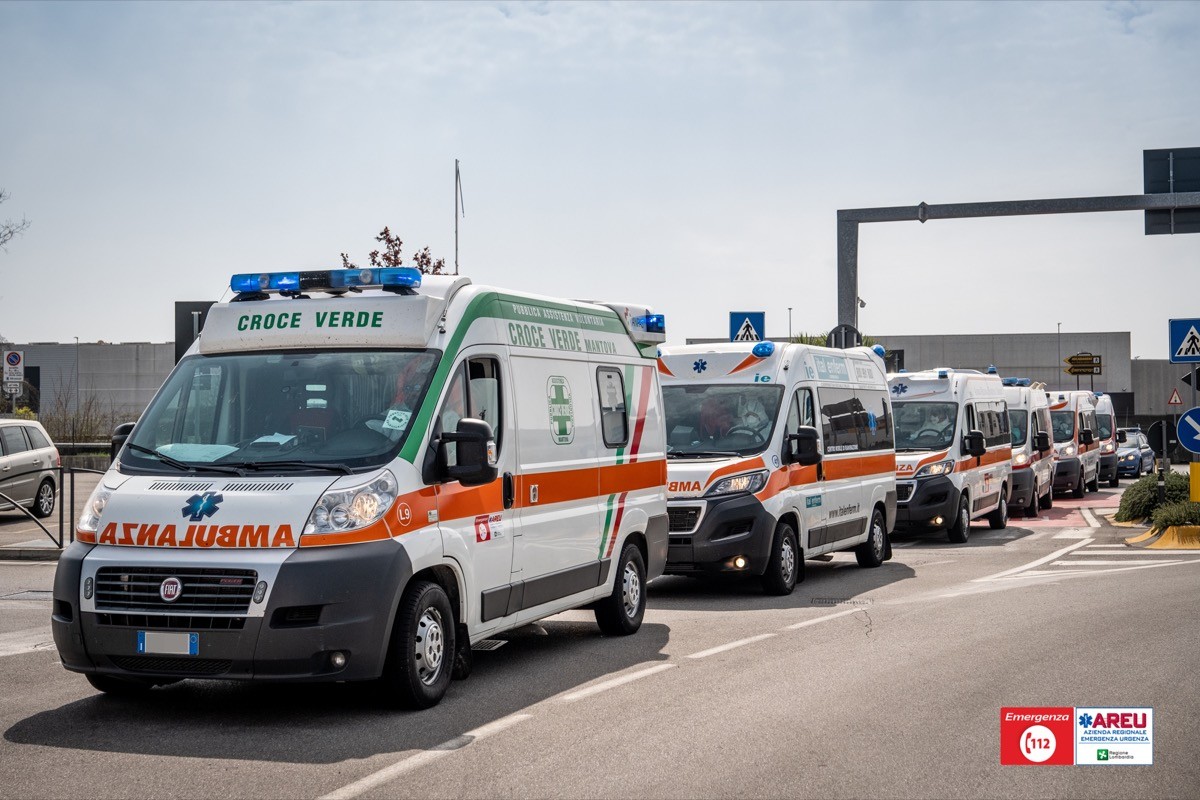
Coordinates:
[562,410]
[397,419]
[831,368]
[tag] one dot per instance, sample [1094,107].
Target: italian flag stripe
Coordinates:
[642,404]
[617,523]
[608,512]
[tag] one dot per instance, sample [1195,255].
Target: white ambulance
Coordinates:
[356,474]
[776,453]
[1106,436]
[1076,450]
[953,450]
[1032,450]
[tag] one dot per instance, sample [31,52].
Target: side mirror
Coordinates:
[1042,441]
[475,452]
[1086,436]
[803,447]
[1122,438]
[974,444]
[119,435]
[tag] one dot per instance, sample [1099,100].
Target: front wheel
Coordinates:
[420,655]
[783,567]
[1078,491]
[1114,481]
[998,519]
[1047,502]
[620,614]
[43,501]
[961,528]
[1031,510]
[873,551]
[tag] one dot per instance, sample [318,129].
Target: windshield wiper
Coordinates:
[182,466]
[263,466]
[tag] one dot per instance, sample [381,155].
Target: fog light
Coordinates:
[260,591]
[740,562]
[938,520]
[88,585]
[337,659]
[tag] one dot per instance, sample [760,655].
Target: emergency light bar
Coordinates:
[1016,381]
[326,280]
[763,349]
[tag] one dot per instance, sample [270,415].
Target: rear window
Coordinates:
[37,438]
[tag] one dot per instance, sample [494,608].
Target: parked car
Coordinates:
[28,467]
[1134,455]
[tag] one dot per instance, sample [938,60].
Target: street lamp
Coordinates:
[789,323]
[75,416]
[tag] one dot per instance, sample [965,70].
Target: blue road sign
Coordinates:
[1185,341]
[1188,429]
[747,326]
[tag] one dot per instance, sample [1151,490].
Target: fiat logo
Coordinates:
[170,590]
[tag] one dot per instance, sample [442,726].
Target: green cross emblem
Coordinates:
[562,410]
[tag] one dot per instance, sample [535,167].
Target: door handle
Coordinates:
[510,491]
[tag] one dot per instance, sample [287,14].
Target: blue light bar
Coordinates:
[406,277]
[650,323]
[1016,381]
[265,281]
[763,349]
[879,350]
[991,370]
[943,373]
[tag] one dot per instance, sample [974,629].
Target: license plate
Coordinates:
[170,644]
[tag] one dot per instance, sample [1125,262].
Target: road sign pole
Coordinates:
[1195,369]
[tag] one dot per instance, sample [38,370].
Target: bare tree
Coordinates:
[390,257]
[8,228]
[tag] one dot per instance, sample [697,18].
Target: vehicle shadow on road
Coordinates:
[826,584]
[329,723]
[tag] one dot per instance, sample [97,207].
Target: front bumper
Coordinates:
[325,600]
[726,527]
[1066,474]
[1130,468]
[927,499]
[1023,487]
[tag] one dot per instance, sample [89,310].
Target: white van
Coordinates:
[953,450]
[1032,450]
[1076,450]
[357,474]
[1106,436]
[776,453]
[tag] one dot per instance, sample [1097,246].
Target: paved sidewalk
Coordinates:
[21,538]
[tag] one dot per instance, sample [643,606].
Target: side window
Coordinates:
[841,412]
[13,440]
[972,425]
[792,425]
[614,418]
[808,411]
[37,439]
[876,420]
[474,392]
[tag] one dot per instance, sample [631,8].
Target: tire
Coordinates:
[421,652]
[620,614]
[1031,510]
[873,551]
[43,501]
[1114,481]
[1138,474]
[998,519]
[1047,502]
[1094,483]
[783,568]
[121,687]
[960,530]
[1078,491]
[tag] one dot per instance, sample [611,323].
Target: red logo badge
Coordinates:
[1037,736]
[170,589]
[483,529]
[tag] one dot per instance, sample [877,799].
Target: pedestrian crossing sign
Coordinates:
[747,326]
[1185,341]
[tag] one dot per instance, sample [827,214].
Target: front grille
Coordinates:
[160,621]
[903,492]
[682,519]
[182,666]
[215,590]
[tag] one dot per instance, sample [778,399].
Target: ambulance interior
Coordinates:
[922,425]
[713,419]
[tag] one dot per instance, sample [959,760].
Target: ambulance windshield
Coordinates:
[924,425]
[304,411]
[710,419]
[1063,423]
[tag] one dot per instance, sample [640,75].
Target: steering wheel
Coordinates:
[742,429]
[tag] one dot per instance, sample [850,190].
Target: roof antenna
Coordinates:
[458,201]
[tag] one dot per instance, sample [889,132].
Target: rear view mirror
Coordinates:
[974,444]
[475,453]
[802,447]
[1042,441]
[1086,436]
[119,436]
[1122,438]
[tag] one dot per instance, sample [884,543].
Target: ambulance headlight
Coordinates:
[1069,450]
[341,510]
[750,482]
[89,520]
[1107,447]
[1020,459]
[939,468]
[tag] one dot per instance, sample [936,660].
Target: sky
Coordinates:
[691,157]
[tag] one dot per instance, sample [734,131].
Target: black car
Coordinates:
[1134,456]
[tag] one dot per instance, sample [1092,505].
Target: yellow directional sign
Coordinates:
[1083,360]
[1082,370]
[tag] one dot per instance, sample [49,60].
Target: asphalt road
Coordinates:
[863,683]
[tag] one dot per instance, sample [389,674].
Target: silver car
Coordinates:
[29,464]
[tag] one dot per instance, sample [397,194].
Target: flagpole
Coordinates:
[456,179]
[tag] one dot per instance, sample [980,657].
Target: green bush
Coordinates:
[1139,500]
[1182,513]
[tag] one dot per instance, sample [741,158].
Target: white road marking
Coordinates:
[615,682]
[26,641]
[1094,546]
[422,758]
[712,651]
[1091,519]
[1103,563]
[1139,551]
[1074,533]
[935,563]
[817,620]
[1056,554]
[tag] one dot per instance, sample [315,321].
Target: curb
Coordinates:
[29,553]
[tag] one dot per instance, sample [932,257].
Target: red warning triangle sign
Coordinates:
[1175,400]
